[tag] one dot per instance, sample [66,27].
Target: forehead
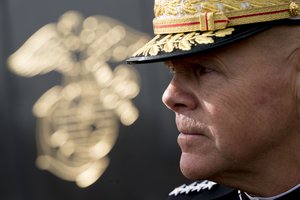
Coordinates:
[216,55]
[271,44]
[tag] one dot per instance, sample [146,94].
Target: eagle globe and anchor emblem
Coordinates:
[78,120]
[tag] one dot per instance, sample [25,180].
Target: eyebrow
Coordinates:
[190,60]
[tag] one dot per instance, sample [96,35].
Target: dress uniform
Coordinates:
[188,27]
[208,190]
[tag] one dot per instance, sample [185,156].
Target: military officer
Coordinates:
[235,93]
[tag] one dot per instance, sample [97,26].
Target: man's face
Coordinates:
[235,108]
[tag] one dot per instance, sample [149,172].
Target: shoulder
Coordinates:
[203,190]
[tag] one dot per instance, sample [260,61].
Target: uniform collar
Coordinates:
[274,197]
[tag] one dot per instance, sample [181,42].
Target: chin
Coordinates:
[189,174]
[195,169]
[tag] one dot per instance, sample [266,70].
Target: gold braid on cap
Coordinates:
[178,16]
[185,23]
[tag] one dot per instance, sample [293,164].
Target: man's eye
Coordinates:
[201,70]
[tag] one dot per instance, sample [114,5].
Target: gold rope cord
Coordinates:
[192,7]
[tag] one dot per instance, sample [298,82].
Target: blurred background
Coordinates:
[144,159]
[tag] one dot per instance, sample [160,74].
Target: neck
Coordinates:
[268,177]
[285,194]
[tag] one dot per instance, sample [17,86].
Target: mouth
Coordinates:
[193,135]
[189,126]
[192,130]
[191,141]
[189,133]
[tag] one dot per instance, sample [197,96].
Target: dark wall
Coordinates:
[144,161]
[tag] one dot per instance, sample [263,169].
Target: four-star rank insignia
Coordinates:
[196,186]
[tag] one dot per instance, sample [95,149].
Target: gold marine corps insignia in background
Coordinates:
[78,120]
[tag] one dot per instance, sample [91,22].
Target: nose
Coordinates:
[178,98]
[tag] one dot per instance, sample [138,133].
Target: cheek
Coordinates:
[242,122]
[229,122]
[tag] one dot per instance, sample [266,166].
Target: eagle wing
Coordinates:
[43,52]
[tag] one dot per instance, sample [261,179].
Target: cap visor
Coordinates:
[239,33]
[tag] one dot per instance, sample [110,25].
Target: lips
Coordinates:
[189,143]
[188,133]
[192,134]
[192,128]
[189,126]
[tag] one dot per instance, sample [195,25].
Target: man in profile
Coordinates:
[235,93]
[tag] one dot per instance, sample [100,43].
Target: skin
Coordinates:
[237,111]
